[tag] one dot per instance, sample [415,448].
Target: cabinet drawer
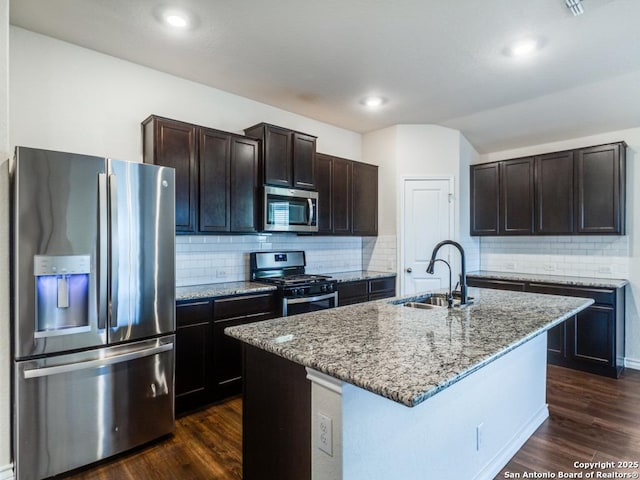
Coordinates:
[246,305]
[347,290]
[193,312]
[496,284]
[602,296]
[380,285]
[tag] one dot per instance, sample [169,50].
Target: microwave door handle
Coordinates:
[101,263]
[311,211]
[114,250]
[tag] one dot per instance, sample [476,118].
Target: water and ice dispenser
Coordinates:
[62,294]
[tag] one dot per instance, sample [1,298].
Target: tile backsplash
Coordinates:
[225,258]
[582,256]
[379,253]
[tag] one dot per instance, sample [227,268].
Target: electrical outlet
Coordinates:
[606,269]
[549,267]
[479,438]
[221,273]
[324,433]
[510,266]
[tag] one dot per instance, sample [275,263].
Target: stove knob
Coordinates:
[330,287]
[323,288]
[304,291]
[294,292]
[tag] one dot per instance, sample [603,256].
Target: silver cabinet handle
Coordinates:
[409,270]
[100,362]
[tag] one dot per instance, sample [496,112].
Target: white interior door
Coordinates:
[427,220]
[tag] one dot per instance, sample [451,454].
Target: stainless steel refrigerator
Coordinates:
[93,313]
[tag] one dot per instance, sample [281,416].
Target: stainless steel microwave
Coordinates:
[290,210]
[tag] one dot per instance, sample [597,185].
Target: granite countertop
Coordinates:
[558,279]
[356,275]
[220,290]
[407,354]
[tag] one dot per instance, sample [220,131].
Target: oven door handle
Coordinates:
[292,301]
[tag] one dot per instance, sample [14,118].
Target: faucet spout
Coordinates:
[463,275]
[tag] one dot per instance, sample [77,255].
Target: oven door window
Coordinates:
[288,211]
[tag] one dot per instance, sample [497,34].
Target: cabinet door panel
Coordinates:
[244,185]
[485,199]
[324,167]
[176,147]
[341,208]
[593,336]
[214,181]
[599,182]
[191,358]
[304,152]
[227,359]
[365,199]
[516,202]
[277,161]
[352,292]
[555,193]
[556,343]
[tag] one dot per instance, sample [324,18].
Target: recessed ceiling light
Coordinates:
[373,101]
[177,21]
[523,48]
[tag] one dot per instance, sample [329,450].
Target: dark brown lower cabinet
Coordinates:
[227,353]
[360,291]
[592,340]
[276,418]
[193,354]
[209,363]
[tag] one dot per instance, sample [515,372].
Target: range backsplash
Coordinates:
[225,258]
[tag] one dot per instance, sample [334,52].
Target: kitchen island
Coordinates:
[396,391]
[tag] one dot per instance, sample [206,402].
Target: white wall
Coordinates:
[73,99]
[418,150]
[609,257]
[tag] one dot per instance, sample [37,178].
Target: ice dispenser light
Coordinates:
[62,294]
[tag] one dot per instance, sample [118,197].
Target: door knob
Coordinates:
[409,270]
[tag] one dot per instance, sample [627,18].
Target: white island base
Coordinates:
[467,431]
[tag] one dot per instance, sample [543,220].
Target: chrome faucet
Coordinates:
[463,276]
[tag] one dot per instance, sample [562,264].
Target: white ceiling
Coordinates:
[436,61]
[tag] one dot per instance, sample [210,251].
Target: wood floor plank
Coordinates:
[592,419]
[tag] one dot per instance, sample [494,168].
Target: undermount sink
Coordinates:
[434,300]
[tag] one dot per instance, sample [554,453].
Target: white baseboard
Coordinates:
[632,363]
[6,472]
[498,462]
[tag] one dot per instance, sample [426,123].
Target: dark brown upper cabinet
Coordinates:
[324,184]
[174,144]
[555,207]
[600,189]
[217,175]
[516,197]
[347,196]
[288,156]
[341,204]
[572,192]
[365,199]
[485,199]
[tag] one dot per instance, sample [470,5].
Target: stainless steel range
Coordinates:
[300,292]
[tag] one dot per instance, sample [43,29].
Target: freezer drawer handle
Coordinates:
[101,362]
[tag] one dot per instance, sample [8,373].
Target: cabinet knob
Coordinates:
[409,270]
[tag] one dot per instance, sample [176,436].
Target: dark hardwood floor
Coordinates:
[592,419]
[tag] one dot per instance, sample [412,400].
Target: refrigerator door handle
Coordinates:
[101,264]
[113,249]
[101,362]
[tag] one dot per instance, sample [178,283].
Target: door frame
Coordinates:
[401,232]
